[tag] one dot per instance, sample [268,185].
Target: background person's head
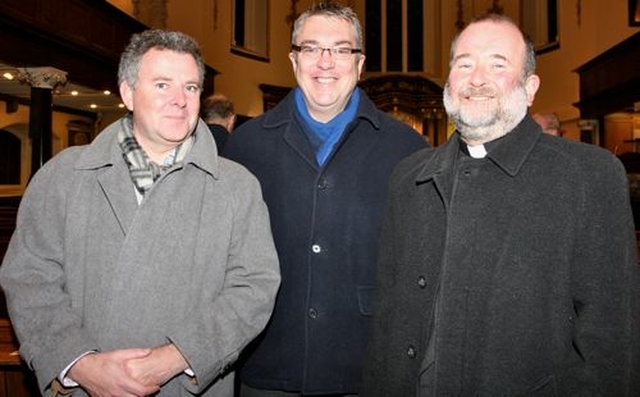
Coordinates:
[548,122]
[218,109]
[491,81]
[327,58]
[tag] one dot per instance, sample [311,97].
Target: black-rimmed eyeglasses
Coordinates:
[341,53]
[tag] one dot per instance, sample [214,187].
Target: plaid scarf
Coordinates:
[145,172]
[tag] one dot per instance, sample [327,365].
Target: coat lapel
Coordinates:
[295,138]
[440,168]
[120,196]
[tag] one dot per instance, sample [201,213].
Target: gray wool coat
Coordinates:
[89,269]
[520,267]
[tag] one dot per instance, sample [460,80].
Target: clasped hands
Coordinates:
[127,372]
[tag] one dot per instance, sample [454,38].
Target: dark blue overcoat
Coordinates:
[326,223]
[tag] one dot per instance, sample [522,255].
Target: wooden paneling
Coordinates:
[16,380]
[8,213]
[82,37]
[611,81]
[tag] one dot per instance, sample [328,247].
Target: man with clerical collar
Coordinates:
[508,261]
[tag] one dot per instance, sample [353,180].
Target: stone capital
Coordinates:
[42,77]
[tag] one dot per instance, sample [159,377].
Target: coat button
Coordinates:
[422,282]
[411,352]
[323,184]
[313,313]
[316,248]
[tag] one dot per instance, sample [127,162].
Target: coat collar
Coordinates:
[510,153]
[283,116]
[283,112]
[104,150]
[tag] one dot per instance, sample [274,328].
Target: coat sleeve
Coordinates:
[32,277]
[387,369]
[605,288]
[378,366]
[222,328]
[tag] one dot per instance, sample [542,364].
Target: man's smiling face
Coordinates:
[487,94]
[327,83]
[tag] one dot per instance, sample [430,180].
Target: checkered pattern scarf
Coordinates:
[145,172]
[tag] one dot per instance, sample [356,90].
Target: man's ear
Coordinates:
[531,87]
[231,121]
[294,61]
[126,93]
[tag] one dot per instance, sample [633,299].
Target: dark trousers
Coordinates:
[247,391]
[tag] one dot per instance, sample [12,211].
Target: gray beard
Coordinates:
[510,112]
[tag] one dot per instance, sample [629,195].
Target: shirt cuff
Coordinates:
[66,381]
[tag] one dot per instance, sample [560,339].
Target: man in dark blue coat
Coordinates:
[508,261]
[323,156]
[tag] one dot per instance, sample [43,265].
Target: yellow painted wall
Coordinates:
[239,76]
[585,32]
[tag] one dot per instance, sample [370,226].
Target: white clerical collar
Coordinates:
[477,151]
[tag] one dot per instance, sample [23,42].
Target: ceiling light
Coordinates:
[93,106]
[8,76]
[106,92]
[74,93]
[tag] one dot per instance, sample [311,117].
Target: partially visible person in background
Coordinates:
[219,114]
[548,122]
[323,156]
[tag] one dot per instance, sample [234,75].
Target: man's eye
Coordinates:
[193,88]
[343,50]
[162,86]
[309,49]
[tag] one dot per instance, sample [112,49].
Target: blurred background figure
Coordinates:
[219,114]
[548,122]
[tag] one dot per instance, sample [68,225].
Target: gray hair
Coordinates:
[158,39]
[529,67]
[329,10]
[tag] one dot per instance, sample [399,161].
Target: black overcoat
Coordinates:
[525,259]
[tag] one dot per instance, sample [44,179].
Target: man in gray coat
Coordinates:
[508,264]
[142,263]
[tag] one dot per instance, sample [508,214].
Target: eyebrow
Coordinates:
[467,55]
[459,57]
[315,42]
[165,79]
[500,57]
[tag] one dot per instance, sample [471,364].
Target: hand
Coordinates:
[106,374]
[159,367]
